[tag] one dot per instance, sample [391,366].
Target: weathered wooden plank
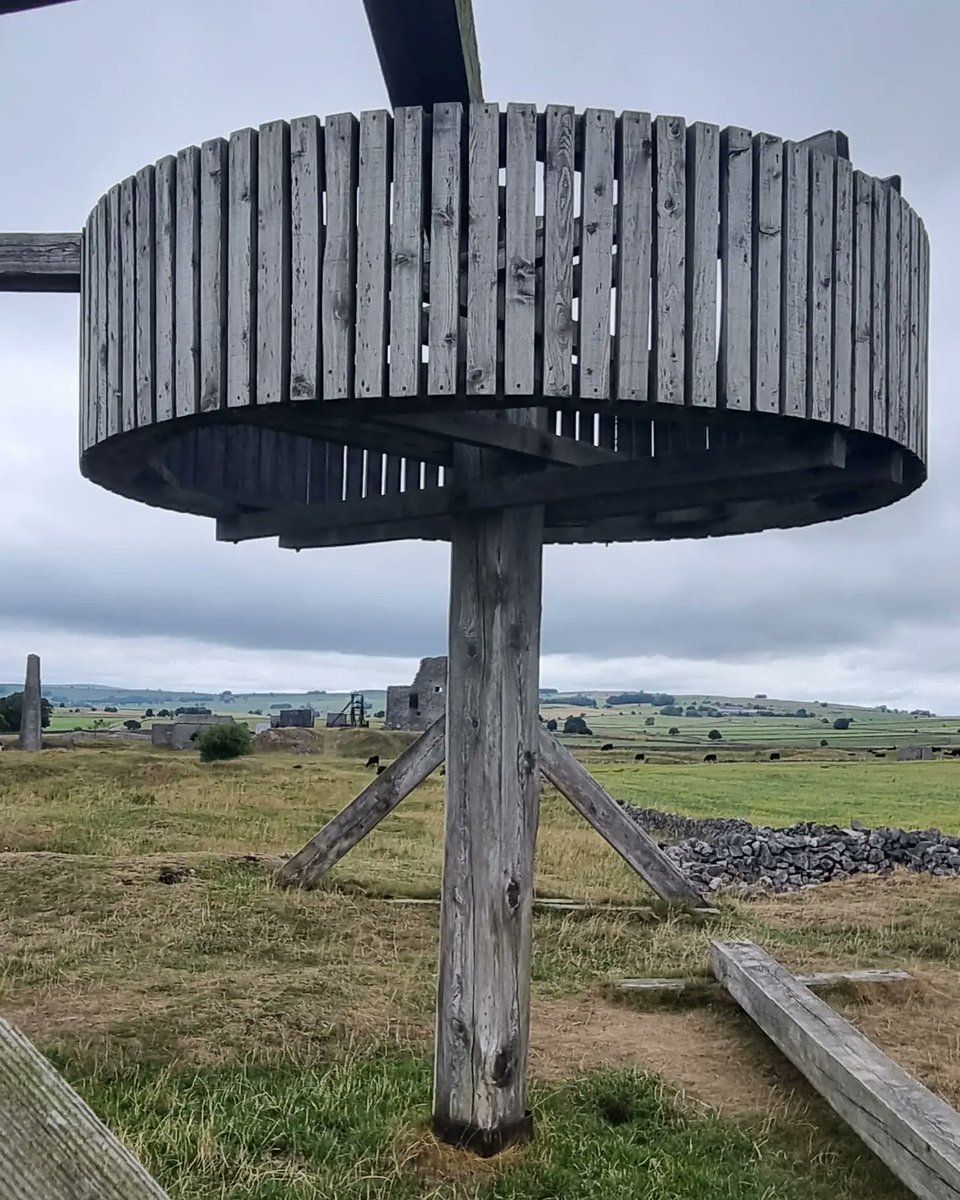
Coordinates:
[406,253]
[820,981]
[843,295]
[39,262]
[633,844]
[634,164]
[736,258]
[84,374]
[273,263]
[767,246]
[114,313]
[831,142]
[903,329]
[821,285]
[91,237]
[703,205]
[892,349]
[128,292]
[338,290]
[520,252]
[373,269]
[923,346]
[214,202]
[306,256]
[669,264]
[913,1131]
[484,159]
[557,292]
[916,256]
[444,319]
[187,284]
[146,250]
[878,312]
[596,253]
[794,292]
[427,50]
[242,271]
[102,247]
[862,297]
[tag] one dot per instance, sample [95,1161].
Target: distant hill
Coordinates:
[87,695]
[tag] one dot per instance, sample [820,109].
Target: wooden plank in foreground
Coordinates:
[819,981]
[39,262]
[380,797]
[633,844]
[910,1129]
[53,1146]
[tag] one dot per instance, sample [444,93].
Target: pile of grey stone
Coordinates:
[732,854]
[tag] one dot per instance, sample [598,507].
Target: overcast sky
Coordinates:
[109,591]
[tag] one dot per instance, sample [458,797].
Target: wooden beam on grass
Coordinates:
[379,798]
[39,262]
[818,981]
[909,1128]
[633,844]
[53,1146]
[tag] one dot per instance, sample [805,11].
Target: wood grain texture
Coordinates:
[794,289]
[916,254]
[39,262]
[84,364]
[273,264]
[910,1129]
[445,348]
[843,295]
[187,284]
[634,163]
[923,344]
[146,282]
[92,299]
[878,312]
[102,247]
[114,313]
[767,248]
[484,160]
[892,351]
[633,844]
[669,267]
[821,284]
[306,256]
[338,288]
[214,202]
[128,303]
[557,291]
[734,370]
[375,172]
[406,253]
[520,282]
[862,298]
[596,253]
[903,329]
[703,206]
[818,981]
[54,1146]
[242,271]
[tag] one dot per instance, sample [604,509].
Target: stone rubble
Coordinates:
[732,854]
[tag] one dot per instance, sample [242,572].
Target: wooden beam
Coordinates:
[14,6]
[633,844]
[831,142]
[427,50]
[819,981]
[913,1131]
[54,1147]
[379,798]
[39,262]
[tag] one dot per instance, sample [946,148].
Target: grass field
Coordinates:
[253,1043]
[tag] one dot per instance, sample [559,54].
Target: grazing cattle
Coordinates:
[709,758]
[380,770]
[639,757]
[373,761]
[774,757]
[607,746]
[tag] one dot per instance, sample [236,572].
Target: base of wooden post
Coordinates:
[484,1142]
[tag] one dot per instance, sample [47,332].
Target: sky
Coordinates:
[109,591]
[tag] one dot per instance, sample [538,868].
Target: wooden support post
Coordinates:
[913,1131]
[30,717]
[380,797]
[634,845]
[492,808]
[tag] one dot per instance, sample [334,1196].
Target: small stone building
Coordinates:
[914,754]
[419,705]
[179,734]
[293,718]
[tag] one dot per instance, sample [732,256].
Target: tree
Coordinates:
[379,714]
[132,725]
[552,725]
[824,742]
[577,725]
[10,709]
[194,710]
[650,721]
[110,708]
[673,731]
[714,735]
[219,742]
[842,723]
[148,712]
[164,712]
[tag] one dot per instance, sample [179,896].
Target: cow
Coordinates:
[774,757]
[607,746]
[373,761]
[380,770]
[639,757]
[709,758]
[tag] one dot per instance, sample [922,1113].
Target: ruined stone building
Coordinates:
[181,733]
[419,705]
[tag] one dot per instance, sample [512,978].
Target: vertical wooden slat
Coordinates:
[596,253]
[669,264]
[103,255]
[373,228]
[843,294]
[93,346]
[406,253]
[520,291]
[214,199]
[557,294]
[903,324]
[765,296]
[484,159]
[84,373]
[445,277]
[242,270]
[923,349]
[821,285]
[862,293]
[892,350]
[114,313]
[736,254]
[878,313]
[146,249]
[273,264]
[634,169]
[338,291]
[128,293]
[794,292]
[306,256]
[703,206]
[187,284]
[915,267]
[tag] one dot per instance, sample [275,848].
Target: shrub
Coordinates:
[552,725]
[148,712]
[824,742]
[224,741]
[10,707]
[379,715]
[650,721]
[673,730]
[131,725]
[577,725]
[842,723]
[714,735]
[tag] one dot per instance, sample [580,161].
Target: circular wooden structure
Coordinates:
[689,331]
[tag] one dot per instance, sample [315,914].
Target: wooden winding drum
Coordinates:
[663,330]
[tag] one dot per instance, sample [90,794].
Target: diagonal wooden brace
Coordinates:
[633,844]
[381,796]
